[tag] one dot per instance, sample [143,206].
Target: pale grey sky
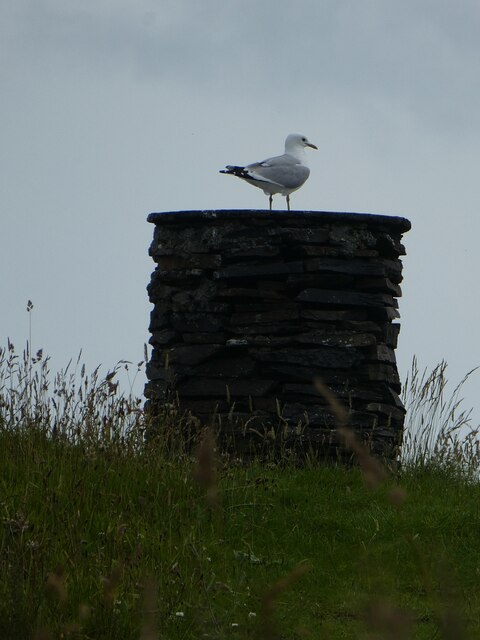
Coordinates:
[112,109]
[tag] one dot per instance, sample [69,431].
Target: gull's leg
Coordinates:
[288,202]
[270,199]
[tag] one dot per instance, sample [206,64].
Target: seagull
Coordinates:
[281,174]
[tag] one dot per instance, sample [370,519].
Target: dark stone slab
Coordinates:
[381,353]
[346,298]
[159,320]
[284,217]
[328,357]
[234,432]
[191,354]
[397,414]
[273,330]
[390,245]
[347,394]
[320,281]
[158,290]
[169,242]
[185,302]
[391,332]
[261,317]
[336,339]
[157,372]
[258,340]
[378,284]
[228,367]
[320,416]
[156,392]
[265,286]
[191,261]
[395,399]
[352,266]
[283,372]
[196,322]
[252,250]
[208,337]
[163,337]
[298,413]
[386,312]
[179,279]
[244,293]
[207,408]
[338,316]
[382,373]
[304,235]
[394,270]
[298,389]
[215,387]
[366,326]
[264,306]
[259,269]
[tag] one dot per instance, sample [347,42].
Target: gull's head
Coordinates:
[297,141]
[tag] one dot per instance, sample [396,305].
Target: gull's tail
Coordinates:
[235,171]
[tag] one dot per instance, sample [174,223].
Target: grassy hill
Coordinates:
[102,537]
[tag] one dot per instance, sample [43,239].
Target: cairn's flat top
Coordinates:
[374,219]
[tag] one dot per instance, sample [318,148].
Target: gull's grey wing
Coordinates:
[284,171]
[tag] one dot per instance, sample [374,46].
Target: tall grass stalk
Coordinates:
[438,429]
[70,404]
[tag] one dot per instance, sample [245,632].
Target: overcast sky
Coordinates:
[111,109]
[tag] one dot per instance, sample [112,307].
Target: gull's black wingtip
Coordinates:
[233,170]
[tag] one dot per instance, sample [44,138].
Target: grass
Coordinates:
[102,537]
[438,429]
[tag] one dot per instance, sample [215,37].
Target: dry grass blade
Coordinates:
[389,622]
[397,496]
[452,622]
[55,584]
[267,627]
[42,635]
[111,584]
[339,411]
[149,626]
[373,470]
[205,472]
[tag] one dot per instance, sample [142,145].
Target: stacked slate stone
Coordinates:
[252,307]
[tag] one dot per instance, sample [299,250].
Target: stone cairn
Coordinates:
[252,307]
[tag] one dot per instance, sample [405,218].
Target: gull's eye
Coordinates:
[304,139]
